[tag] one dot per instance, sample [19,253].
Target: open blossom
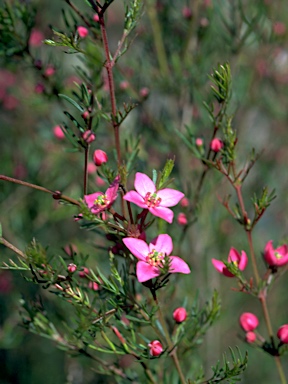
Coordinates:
[152,257]
[99,201]
[248,321]
[278,256]
[155,348]
[146,196]
[240,260]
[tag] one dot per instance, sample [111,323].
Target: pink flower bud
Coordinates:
[250,337]
[216,144]
[187,13]
[93,285]
[85,115]
[96,18]
[84,272]
[248,321]
[72,268]
[99,181]
[180,315]
[82,31]
[144,92]
[49,71]
[36,38]
[100,157]
[155,348]
[118,334]
[199,142]
[58,132]
[89,136]
[182,219]
[279,28]
[184,202]
[124,85]
[282,333]
[91,167]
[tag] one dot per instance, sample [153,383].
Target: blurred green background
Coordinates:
[252,37]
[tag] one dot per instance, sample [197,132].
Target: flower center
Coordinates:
[152,200]
[101,201]
[235,262]
[278,255]
[156,259]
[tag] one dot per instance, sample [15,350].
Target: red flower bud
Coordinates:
[250,337]
[282,333]
[100,157]
[180,315]
[155,348]
[58,133]
[182,219]
[89,136]
[82,31]
[72,268]
[248,321]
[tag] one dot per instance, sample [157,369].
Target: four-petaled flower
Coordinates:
[234,257]
[152,257]
[146,196]
[278,256]
[98,202]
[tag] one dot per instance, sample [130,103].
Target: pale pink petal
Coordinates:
[90,199]
[163,212]
[135,198]
[162,243]
[145,271]
[169,197]
[243,261]
[137,247]
[269,254]
[143,184]
[178,265]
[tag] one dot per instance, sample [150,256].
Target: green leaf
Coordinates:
[71,101]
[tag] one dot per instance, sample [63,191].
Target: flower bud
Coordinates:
[93,285]
[100,157]
[187,13]
[182,219]
[89,136]
[82,31]
[216,144]
[84,272]
[248,321]
[144,92]
[155,348]
[91,167]
[85,115]
[184,202]
[180,315]
[58,132]
[250,337]
[282,333]
[96,18]
[199,142]
[49,71]
[72,268]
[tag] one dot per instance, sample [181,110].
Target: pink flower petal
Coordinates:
[163,212]
[143,184]
[137,247]
[146,271]
[221,267]
[178,265]
[111,192]
[162,243]
[90,199]
[169,197]
[233,255]
[243,261]
[135,198]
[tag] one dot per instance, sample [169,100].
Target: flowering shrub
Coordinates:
[95,284]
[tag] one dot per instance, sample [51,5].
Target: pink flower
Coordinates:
[155,348]
[216,144]
[49,71]
[82,31]
[144,92]
[96,18]
[199,142]
[36,38]
[250,337]
[85,115]
[58,132]
[155,201]
[187,13]
[234,257]
[100,157]
[180,315]
[99,201]
[72,268]
[248,321]
[93,285]
[89,136]
[182,219]
[282,334]
[276,257]
[84,273]
[152,257]
[184,202]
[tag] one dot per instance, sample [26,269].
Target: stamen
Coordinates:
[101,200]
[152,200]
[156,259]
